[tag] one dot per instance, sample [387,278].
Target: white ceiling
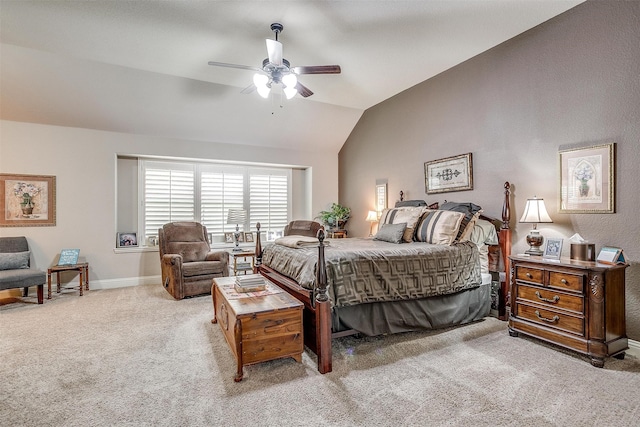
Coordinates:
[141,66]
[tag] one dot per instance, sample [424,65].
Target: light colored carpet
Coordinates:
[136,357]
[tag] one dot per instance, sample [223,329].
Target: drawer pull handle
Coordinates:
[564,281]
[529,276]
[554,320]
[555,299]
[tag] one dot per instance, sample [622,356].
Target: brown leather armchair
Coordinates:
[188,263]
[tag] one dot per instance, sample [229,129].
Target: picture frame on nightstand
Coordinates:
[553,248]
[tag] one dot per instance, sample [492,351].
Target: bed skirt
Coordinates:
[411,315]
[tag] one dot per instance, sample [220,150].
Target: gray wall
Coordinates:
[572,81]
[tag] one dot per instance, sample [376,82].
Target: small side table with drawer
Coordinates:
[578,305]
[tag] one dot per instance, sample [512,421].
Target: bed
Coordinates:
[427,267]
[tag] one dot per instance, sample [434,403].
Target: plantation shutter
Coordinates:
[219,192]
[168,194]
[269,202]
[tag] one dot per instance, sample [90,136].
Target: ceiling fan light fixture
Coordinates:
[290,80]
[290,91]
[263,91]
[260,80]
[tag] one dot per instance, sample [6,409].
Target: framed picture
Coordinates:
[587,179]
[27,200]
[228,237]
[248,236]
[127,240]
[553,248]
[240,237]
[381,197]
[449,174]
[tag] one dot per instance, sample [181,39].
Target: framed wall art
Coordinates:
[587,179]
[228,237]
[449,174]
[27,200]
[248,236]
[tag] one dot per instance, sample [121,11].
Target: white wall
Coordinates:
[84,163]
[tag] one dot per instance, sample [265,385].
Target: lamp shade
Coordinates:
[372,216]
[236,216]
[535,211]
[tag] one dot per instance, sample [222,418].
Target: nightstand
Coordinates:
[578,305]
[243,261]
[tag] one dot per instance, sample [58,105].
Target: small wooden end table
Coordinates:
[258,328]
[244,265]
[81,267]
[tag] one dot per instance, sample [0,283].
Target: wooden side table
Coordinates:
[244,265]
[82,268]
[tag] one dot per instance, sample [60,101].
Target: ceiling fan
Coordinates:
[276,69]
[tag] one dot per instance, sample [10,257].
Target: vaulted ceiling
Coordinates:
[141,66]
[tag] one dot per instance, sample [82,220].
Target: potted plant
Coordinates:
[336,217]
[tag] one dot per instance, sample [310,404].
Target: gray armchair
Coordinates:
[188,263]
[15,267]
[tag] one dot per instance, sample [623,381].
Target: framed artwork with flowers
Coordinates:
[27,200]
[587,179]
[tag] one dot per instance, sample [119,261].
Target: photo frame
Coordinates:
[449,174]
[127,240]
[248,236]
[27,200]
[228,237]
[587,179]
[240,237]
[552,248]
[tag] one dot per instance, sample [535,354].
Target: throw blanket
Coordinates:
[295,241]
[366,270]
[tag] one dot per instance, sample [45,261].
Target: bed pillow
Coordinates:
[471,213]
[439,227]
[408,215]
[406,203]
[14,260]
[391,233]
[484,233]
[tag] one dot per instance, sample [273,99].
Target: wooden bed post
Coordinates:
[258,262]
[505,248]
[323,312]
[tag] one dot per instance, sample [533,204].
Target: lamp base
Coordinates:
[534,240]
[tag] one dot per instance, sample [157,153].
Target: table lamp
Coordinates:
[535,212]
[372,217]
[236,216]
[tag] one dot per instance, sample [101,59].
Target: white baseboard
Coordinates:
[125,282]
[635,345]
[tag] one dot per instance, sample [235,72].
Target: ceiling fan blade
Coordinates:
[304,91]
[241,67]
[249,89]
[317,69]
[274,49]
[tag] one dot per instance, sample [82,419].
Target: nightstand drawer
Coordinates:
[566,281]
[551,298]
[529,274]
[552,318]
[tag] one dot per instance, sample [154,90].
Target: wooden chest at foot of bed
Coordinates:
[258,328]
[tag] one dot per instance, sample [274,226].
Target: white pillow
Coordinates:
[409,215]
[439,227]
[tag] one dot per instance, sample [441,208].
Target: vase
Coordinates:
[27,210]
[583,189]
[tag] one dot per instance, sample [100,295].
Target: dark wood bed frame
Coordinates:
[317,308]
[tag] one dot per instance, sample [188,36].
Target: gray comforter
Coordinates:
[365,270]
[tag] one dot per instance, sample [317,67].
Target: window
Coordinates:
[176,191]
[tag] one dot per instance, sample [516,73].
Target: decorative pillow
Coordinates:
[484,233]
[471,213]
[439,227]
[14,260]
[408,215]
[391,233]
